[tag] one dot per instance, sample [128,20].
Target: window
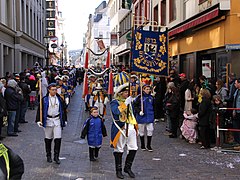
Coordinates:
[163,13]
[172,10]
[100,34]
[155,15]
[202,1]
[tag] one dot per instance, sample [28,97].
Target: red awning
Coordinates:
[202,19]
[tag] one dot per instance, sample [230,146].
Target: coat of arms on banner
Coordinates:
[150,53]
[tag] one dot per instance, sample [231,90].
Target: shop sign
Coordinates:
[50,17]
[232,47]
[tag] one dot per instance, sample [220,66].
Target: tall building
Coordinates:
[22,24]
[120,27]
[203,35]
[97,36]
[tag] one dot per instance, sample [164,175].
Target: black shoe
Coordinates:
[13,134]
[56,159]
[18,131]
[92,159]
[119,175]
[172,136]
[49,159]
[1,138]
[23,122]
[130,173]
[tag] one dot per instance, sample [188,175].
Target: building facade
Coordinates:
[120,15]
[97,37]
[22,27]
[203,36]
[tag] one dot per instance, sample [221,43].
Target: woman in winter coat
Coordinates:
[145,116]
[221,90]
[204,113]
[173,107]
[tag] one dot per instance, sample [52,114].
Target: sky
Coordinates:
[76,13]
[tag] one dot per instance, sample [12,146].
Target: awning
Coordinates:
[200,20]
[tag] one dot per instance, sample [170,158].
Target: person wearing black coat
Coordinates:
[3,110]
[11,164]
[24,104]
[12,98]
[173,108]
[204,113]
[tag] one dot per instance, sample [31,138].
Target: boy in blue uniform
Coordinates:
[145,116]
[95,129]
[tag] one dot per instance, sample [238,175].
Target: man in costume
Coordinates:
[124,130]
[54,118]
[100,99]
[89,96]
[135,89]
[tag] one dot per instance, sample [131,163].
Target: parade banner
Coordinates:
[150,52]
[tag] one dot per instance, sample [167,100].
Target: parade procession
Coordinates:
[148,90]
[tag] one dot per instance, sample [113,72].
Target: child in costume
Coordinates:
[94,129]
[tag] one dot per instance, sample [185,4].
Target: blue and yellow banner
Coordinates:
[150,52]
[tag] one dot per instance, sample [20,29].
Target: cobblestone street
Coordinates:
[171,158]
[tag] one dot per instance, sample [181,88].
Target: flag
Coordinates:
[150,52]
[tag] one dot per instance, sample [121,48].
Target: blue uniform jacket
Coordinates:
[148,110]
[45,105]
[95,129]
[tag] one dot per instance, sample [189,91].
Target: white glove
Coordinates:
[94,93]
[141,113]
[39,124]
[67,100]
[66,123]
[128,100]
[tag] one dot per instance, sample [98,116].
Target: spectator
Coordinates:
[24,104]
[204,113]
[3,110]
[12,99]
[221,90]
[236,113]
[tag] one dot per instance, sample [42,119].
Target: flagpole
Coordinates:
[40,96]
[130,69]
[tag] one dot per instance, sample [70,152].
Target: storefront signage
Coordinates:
[50,17]
[232,47]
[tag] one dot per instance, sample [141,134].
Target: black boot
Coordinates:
[91,154]
[96,152]
[142,143]
[118,164]
[149,140]
[86,107]
[128,163]
[48,147]
[57,145]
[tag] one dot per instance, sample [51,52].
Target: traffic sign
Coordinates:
[54,38]
[53,45]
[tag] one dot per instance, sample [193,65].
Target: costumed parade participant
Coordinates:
[134,86]
[62,89]
[144,110]
[94,129]
[89,96]
[52,116]
[100,99]
[124,130]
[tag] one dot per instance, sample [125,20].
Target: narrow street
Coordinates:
[171,158]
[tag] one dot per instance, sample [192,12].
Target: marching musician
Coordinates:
[124,130]
[54,118]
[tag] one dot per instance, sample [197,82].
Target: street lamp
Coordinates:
[62,45]
[47,41]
